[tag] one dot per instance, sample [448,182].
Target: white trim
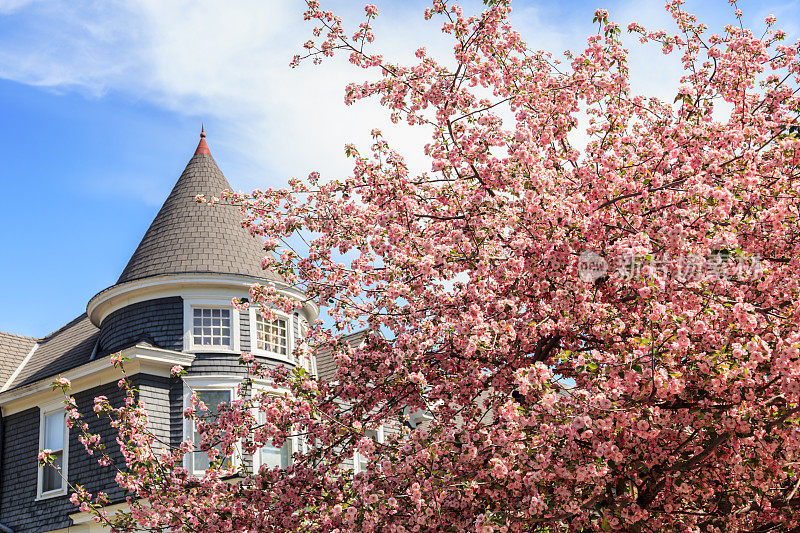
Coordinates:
[306,357]
[208,302]
[356,455]
[16,372]
[88,518]
[255,350]
[119,296]
[143,358]
[45,410]
[207,382]
[298,443]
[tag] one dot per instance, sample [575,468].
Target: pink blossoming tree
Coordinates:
[600,322]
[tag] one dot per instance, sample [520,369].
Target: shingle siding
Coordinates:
[158,321]
[18,492]
[163,400]
[18,506]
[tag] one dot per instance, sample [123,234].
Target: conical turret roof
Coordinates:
[188,237]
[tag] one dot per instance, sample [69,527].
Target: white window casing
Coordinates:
[271,455]
[218,389]
[210,325]
[359,461]
[54,436]
[275,339]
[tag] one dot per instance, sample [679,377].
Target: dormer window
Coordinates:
[212,327]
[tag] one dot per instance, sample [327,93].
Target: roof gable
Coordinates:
[13,349]
[66,348]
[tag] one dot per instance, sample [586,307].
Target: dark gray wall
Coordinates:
[18,506]
[158,321]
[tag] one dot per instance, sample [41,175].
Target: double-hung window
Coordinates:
[272,456]
[53,436]
[198,460]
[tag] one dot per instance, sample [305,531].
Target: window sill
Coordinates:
[51,494]
[212,349]
[289,358]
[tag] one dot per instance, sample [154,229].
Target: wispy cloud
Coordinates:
[229,60]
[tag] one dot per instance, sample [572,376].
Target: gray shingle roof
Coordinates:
[13,349]
[326,364]
[66,348]
[187,237]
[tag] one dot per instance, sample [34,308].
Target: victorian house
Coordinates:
[170,306]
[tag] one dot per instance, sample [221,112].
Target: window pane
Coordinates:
[360,459]
[51,478]
[271,336]
[212,399]
[200,460]
[54,431]
[280,457]
[213,329]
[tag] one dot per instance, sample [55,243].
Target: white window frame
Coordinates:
[290,341]
[357,456]
[297,446]
[298,443]
[189,305]
[43,412]
[202,383]
[308,361]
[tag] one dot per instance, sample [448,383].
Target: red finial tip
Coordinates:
[202,147]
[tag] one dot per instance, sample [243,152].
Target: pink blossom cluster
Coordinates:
[627,403]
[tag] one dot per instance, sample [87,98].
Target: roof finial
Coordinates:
[202,147]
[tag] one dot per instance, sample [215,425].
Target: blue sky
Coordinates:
[101,104]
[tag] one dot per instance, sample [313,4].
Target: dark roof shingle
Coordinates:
[188,237]
[326,364]
[62,350]
[13,349]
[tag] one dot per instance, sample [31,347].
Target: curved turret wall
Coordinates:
[158,322]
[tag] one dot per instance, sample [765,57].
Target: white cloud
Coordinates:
[229,60]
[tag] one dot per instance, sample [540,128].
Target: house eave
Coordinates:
[142,359]
[118,296]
